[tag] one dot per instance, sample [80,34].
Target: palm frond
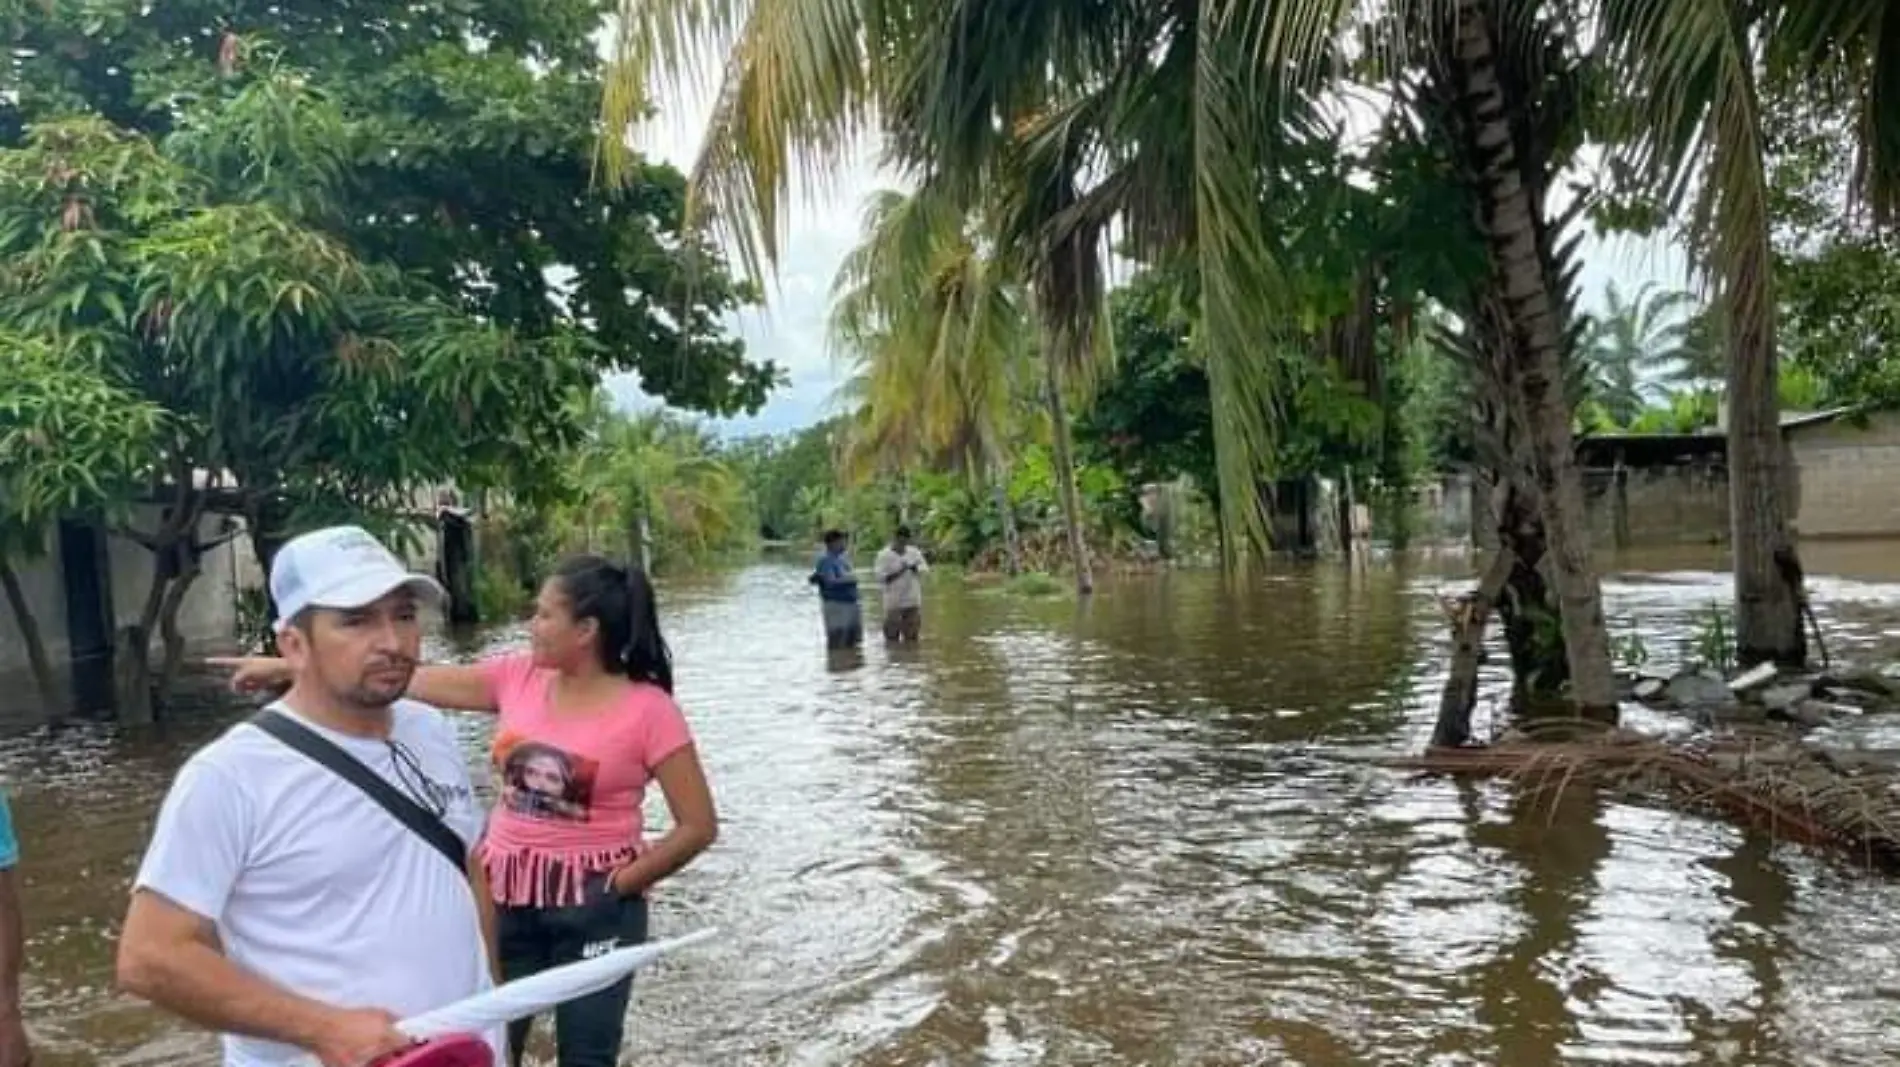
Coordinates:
[1702,132]
[1861,40]
[797,89]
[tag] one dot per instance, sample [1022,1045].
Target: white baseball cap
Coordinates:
[341,567]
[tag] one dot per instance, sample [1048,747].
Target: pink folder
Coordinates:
[455,1050]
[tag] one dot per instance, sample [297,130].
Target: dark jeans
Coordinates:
[844,623]
[587,1032]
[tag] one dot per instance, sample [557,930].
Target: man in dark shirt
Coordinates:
[838,594]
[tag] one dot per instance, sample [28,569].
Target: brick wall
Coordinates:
[1682,503]
[1850,477]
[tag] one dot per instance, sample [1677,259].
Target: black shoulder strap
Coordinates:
[408,812]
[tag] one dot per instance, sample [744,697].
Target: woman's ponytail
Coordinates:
[620,600]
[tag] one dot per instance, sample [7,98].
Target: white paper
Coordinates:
[538,993]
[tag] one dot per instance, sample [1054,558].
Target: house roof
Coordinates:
[1656,449]
[1649,449]
[1818,418]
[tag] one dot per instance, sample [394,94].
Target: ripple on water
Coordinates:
[1145,830]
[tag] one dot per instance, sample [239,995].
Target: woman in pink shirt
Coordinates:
[587,719]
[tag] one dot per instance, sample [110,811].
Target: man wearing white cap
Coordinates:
[302,891]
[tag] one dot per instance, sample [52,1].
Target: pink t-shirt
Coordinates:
[571,785]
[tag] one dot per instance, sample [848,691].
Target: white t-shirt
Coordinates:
[907,590]
[315,886]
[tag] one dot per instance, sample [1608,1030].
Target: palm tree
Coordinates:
[1057,119]
[1699,134]
[1700,141]
[1175,118]
[1633,348]
[657,483]
[939,336]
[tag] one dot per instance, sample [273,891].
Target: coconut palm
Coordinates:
[1171,118]
[939,338]
[1057,118]
[1633,348]
[658,486]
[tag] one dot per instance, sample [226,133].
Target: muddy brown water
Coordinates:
[1137,831]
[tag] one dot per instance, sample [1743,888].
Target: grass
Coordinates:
[1030,585]
[1036,584]
[498,596]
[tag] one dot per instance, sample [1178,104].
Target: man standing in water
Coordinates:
[838,594]
[900,567]
[282,904]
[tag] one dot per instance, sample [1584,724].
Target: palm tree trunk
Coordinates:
[1509,222]
[29,627]
[1768,580]
[1539,668]
[642,539]
[1065,473]
[1012,540]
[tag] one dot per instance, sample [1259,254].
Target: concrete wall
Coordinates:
[1850,477]
[1449,510]
[208,618]
[1846,484]
[1683,503]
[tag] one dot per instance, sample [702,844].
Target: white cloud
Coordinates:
[790,328]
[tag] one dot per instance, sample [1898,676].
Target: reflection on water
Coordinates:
[1135,831]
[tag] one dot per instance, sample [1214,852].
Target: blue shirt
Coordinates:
[835,580]
[9,842]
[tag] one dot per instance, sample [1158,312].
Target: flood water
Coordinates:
[1144,830]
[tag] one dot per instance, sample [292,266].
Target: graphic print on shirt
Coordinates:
[541,781]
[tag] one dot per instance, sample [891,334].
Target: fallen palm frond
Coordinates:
[1791,791]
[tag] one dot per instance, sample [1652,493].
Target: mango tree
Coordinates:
[449,142]
[289,368]
[72,444]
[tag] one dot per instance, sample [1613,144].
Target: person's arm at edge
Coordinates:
[695,823]
[170,956]
[12,927]
[12,943]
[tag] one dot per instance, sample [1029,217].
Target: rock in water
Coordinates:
[1868,681]
[1783,697]
[1856,698]
[1753,678]
[1650,690]
[1816,713]
[1731,715]
[1694,688]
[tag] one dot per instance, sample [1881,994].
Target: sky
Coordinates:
[790,328]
